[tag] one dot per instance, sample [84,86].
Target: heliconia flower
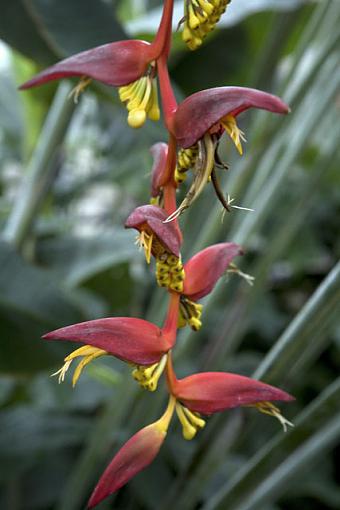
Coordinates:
[212,392]
[133,457]
[159,152]
[198,123]
[133,340]
[162,240]
[202,272]
[130,65]
[200,18]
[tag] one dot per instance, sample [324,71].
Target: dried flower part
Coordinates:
[87,353]
[148,376]
[186,159]
[83,83]
[201,17]
[169,272]
[156,236]
[204,165]
[141,99]
[189,314]
[191,422]
[271,410]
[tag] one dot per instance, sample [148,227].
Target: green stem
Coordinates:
[40,169]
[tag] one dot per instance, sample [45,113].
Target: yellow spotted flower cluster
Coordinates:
[185,160]
[169,271]
[200,18]
[189,314]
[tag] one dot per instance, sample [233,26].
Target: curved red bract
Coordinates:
[200,111]
[212,392]
[126,338]
[114,64]
[205,268]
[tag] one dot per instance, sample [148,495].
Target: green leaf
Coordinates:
[31,303]
[28,433]
[47,30]
[78,259]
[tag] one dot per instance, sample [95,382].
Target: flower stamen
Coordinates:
[141,98]
[191,422]
[88,353]
[235,133]
[144,240]
[148,376]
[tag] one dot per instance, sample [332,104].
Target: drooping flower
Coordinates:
[133,457]
[198,123]
[130,65]
[136,341]
[200,18]
[162,242]
[207,393]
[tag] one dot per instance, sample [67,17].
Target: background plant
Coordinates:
[288,176]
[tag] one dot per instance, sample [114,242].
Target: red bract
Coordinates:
[129,339]
[153,217]
[132,458]
[204,269]
[212,392]
[159,152]
[114,64]
[201,111]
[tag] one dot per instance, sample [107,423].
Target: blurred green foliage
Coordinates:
[70,176]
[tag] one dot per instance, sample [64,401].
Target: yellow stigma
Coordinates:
[169,271]
[201,16]
[191,422]
[270,409]
[141,98]
[148,376]
[79,88]
[88,353]
[229,124]
[189,314]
